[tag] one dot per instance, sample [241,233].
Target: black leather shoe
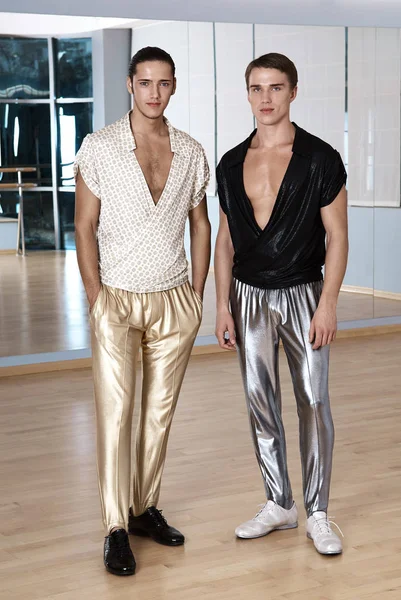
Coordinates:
[118,557]
[152,524]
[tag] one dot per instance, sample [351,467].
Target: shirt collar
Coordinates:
[303,145]
[127,138]
[303,142]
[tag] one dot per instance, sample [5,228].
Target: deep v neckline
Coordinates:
[151,202]
[276,202]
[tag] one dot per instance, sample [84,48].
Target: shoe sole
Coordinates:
[323,553]
[114,572]
[141,533]
[254,537]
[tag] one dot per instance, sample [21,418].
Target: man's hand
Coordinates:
[198,292]
[225,323]
[92,297]
[323,327]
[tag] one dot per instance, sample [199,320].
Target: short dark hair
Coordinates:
[150,53]
[274,61]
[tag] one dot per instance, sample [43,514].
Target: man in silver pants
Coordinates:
[282,195]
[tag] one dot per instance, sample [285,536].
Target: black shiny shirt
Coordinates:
[290,250]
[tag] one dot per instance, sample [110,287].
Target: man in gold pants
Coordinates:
[137,181]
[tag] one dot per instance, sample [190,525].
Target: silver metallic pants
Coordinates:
[263,317]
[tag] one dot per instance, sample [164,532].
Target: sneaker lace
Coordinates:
[265,509]
[323,525]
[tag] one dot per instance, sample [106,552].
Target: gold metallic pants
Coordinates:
[165,325]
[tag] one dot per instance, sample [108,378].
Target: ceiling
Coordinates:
[34,24]
[384,13]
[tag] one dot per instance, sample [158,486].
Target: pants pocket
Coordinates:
[199,299]
[91,310]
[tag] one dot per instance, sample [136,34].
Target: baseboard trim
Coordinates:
[7,252]
[46,367]
[355,289]
[206,346]
[387,295]
[368,331]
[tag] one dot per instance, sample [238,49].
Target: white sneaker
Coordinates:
[318,529]
[270,517]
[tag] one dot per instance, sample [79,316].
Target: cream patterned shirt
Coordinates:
[141,244]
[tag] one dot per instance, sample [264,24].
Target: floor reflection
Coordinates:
[43,305]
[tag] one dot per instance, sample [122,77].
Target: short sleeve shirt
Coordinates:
[290,250]
[141,244]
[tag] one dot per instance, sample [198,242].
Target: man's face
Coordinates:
[270,95]
[152,86]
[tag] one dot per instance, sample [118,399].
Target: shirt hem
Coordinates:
[278,286]
[147,290]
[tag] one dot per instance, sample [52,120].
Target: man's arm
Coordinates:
[199,228]
[223,263]
[87,209]
[324,323]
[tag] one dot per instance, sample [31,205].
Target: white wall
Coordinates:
[201,90]
[387,250]
[361,116]
[234,51]
[375,248]
[374,109]
[173,38]
[110,56]
[192,107]
[387,121]
[374,67]
[360,272]
[319,55]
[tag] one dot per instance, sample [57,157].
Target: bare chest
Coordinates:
[264,172]
[155,162]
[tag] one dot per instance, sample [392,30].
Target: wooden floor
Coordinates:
[50,532]
[43,306]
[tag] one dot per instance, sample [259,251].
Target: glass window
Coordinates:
[66,210]
[74,68]
[25,141]
[38,217]
[24,68]
[74,122]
